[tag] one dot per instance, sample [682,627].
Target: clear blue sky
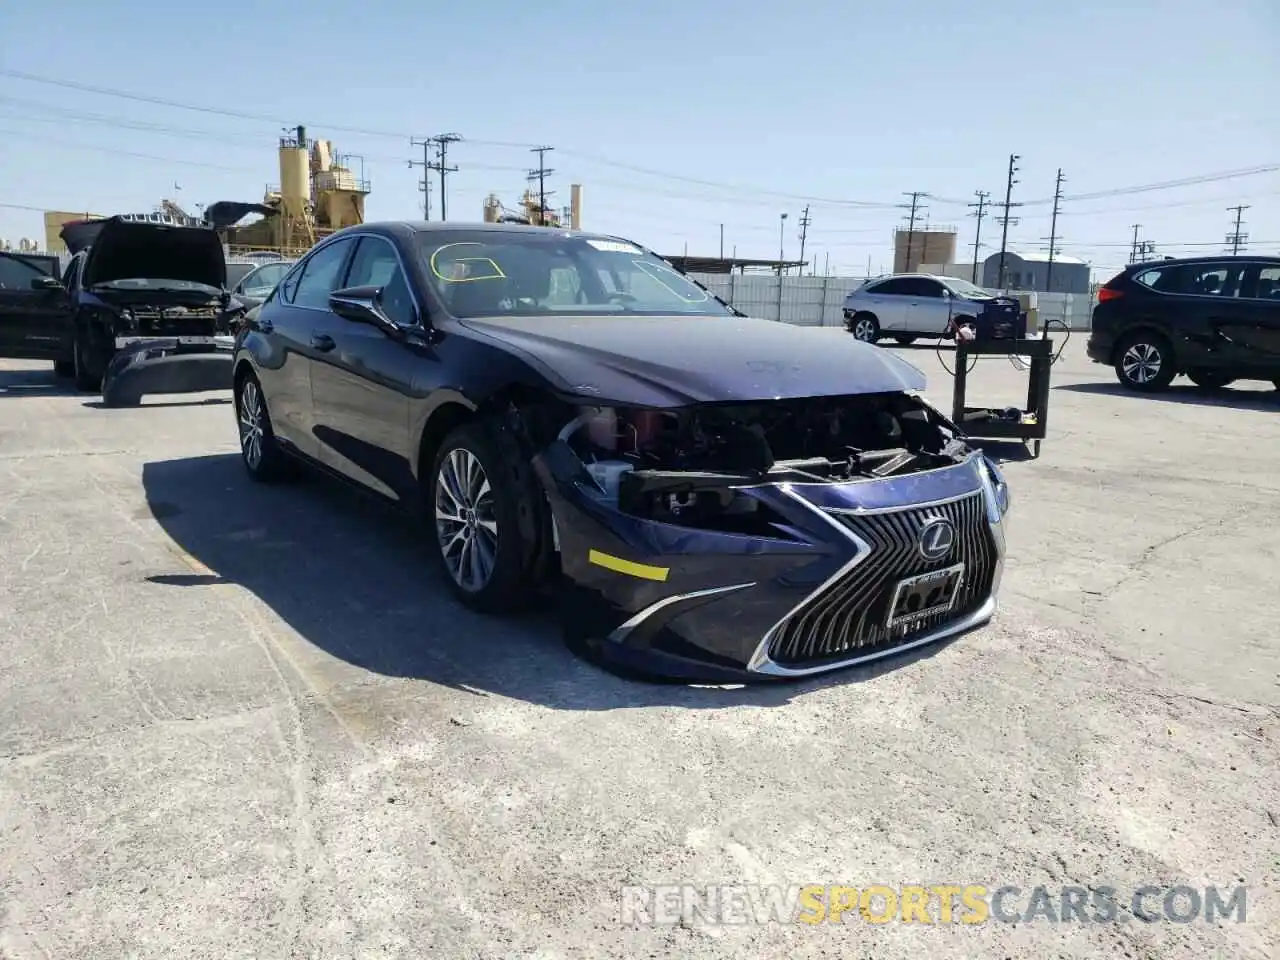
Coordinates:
[832,100]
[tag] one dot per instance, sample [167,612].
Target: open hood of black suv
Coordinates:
[122,249]
[676,361]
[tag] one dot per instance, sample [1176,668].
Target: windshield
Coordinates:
[494,273]
[150,283]
[963,288]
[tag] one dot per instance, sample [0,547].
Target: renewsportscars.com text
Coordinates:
[965,904]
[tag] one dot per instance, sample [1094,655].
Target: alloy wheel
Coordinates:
[251,430]
[465,521]
[1141,363]
[864,330]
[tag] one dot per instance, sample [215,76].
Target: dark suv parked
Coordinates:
[1215,319]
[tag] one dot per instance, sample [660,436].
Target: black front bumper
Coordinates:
[706,606]
[166,365]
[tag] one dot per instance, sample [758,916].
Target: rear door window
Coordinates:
[898,286]
[1210,279]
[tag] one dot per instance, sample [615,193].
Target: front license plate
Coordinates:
[925,595]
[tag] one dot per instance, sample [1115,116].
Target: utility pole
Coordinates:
[722,241]
[425,183]
[804,234]
[1006,219]
[979,211]
[1133,248]
[1053,231]
[441,166]
[540,177]
[916,210]
[1237,239]
[782,243]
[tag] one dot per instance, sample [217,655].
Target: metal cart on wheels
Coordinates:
[984,423]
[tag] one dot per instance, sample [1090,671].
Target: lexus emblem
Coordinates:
[937,538]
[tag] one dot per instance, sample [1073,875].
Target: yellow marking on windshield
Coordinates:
[651,271]
[497,270]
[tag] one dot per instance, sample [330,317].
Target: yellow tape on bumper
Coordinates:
[631,569]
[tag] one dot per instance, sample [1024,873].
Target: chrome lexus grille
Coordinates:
[847,618]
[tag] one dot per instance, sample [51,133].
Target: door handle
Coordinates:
[266,326]
[322,342]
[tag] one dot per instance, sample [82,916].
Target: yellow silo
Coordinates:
[295,175]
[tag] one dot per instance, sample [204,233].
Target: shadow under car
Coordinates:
[352,577]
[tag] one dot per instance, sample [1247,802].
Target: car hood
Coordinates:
[677,361]
[129,249]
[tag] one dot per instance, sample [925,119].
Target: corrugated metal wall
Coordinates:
[804,301]
[819,301]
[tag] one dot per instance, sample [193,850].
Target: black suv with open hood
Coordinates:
[141,308]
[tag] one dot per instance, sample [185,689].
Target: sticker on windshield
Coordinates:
[464,269]
[655,272]
[614,246]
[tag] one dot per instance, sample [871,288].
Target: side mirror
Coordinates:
[46,283]
[363,305]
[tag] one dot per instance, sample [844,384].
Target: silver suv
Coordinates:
[909,305]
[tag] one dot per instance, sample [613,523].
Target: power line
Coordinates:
[122,153]
[1053,231]
[540,176]
[1005,220]
[979,212]
[1237,239]
[593,158]
[442,167]
[425,163]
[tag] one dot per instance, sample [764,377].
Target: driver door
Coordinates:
[361,385]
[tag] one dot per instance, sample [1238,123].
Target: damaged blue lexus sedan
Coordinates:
[712,498]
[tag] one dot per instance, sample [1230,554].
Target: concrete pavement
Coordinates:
[243,722]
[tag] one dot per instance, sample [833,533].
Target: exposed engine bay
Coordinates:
[681,466]
[149,320]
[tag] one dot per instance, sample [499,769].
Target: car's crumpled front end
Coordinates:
[732,542]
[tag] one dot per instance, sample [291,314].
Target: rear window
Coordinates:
[1150,278]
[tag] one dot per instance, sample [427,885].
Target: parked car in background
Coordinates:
[256,285]
[1214,319]
[717,497]
[140,308]
[910,305]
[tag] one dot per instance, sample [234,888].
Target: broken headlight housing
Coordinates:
[995,487]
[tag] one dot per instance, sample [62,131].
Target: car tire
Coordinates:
[906,339]
[64,369]
[865,327]
[1209,379]
[259,451]
[485,513]
[85,379]
[1145,362]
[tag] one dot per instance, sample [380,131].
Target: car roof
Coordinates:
[1174,261]
[402,227]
